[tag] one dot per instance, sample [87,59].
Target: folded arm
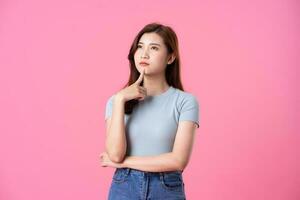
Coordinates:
[175,160]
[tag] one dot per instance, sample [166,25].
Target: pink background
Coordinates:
[61,60]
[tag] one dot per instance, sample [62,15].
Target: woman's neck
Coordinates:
[155,86]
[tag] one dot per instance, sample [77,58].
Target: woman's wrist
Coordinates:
[123,164]
[119,98]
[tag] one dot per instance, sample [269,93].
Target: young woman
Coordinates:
[150,122]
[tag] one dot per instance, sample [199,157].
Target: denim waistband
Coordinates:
[144,173]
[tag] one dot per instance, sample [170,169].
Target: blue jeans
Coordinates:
[132,184]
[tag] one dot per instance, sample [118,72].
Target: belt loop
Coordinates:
[127,170]
[161,175]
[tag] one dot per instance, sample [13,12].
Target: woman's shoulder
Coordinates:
[185,95]
[110,98]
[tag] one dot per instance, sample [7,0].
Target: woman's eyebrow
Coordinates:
[151,43]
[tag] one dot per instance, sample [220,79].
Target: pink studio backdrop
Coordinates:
[61,60]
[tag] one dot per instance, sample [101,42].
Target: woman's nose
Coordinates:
[145,54]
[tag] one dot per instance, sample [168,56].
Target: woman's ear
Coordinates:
[171,59]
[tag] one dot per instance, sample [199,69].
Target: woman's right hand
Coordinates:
[134,91]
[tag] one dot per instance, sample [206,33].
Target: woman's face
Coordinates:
[152,50]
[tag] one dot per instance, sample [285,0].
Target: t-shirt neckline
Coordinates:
[165,93]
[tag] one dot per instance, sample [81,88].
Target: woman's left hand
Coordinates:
[106,162]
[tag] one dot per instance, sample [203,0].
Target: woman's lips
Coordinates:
[144,64]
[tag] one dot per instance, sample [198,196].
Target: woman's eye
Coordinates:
[140,46]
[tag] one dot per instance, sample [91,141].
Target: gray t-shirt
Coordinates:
[151,127]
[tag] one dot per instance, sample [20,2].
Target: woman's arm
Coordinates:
[115,132]
[159,163]
[115,143]
[175,160]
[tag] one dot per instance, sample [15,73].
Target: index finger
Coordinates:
[139,80]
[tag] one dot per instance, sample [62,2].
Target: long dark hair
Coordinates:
[172,71]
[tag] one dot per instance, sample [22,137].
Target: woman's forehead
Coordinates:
[151,38]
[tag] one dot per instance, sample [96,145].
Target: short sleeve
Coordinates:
[108,108]
[190,110]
